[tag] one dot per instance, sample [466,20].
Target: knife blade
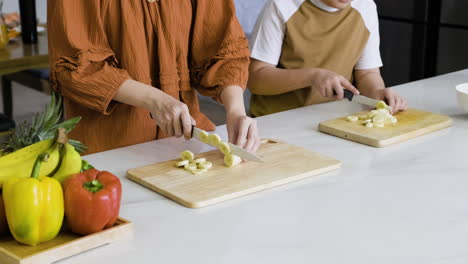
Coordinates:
[236,150]
[362,100]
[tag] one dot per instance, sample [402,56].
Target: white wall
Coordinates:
[41,8]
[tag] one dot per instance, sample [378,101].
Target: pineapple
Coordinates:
[43,126]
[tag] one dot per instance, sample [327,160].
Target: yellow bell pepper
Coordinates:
[34,206]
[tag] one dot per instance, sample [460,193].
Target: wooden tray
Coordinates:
[411,123]
[284,163]
[66,244]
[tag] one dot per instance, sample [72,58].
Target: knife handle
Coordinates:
[348,95]
[191,132]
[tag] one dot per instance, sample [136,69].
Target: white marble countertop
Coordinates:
[406,203]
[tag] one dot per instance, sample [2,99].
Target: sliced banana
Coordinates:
[214,140]
[204,137]
[393,120]
[182,163]
[200,160]
[187,155]
[224,148]
[205,165]
[352,118]
[231,160]
[369,125]
[190,167]
[379,124]
[381,105]
[198,171]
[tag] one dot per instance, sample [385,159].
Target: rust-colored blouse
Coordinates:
[178,46]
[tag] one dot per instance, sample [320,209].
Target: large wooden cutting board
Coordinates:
[284,163]
[411,123]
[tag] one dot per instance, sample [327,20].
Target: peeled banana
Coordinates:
[231,160]
[69,165]
[375,118]
[214,140]
[21,162]
[224,148]
[204,137]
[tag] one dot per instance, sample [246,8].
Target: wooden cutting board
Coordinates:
[284,163]
[411,123]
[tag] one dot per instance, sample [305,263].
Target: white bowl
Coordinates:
[462,94]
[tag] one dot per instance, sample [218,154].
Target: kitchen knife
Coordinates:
[235,150]
[362,100]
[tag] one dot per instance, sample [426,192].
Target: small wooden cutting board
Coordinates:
[284,163]
[411,123]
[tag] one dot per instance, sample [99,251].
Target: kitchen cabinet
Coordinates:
[452,52]
[454,12]
[401,50]
[422,38]
[414,10]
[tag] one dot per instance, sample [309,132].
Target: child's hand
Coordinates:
[330,84]
[394,100]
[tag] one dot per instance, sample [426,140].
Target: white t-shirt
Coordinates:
[267,38]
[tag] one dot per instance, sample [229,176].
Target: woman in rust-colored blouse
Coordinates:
[132,68]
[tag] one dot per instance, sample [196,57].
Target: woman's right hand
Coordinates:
[330,84]
[171,115]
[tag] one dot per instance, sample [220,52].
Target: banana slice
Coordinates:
[352,118]
[381,105]
[231,160]
[198,171]
[393,120]
[204,137]
[372,113]
[214,140]
[190,167]
[187,155]
[369,125]
[182,163]
[379,124]
[224,148]
[200,160]
[205,165]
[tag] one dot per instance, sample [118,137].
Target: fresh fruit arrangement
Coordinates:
[375,118]
[35,162]
[198,166]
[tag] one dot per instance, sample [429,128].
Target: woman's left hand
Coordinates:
[242,131]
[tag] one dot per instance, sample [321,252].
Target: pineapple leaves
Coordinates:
[43,126]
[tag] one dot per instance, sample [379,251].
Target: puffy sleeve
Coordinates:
[83,66]
[220,53]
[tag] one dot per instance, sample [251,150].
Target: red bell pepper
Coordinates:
[3,220]
[92,201]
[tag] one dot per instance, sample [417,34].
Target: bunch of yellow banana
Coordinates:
[21,162]
[63,161]
[70,163]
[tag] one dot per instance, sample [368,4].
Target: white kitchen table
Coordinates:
[407,203]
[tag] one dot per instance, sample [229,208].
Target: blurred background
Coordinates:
[419,39]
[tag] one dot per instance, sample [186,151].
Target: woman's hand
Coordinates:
[394,100]
[330,84]
[243,131]
[172,116]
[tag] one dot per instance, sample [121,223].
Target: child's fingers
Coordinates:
[348,86]
[338,90]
